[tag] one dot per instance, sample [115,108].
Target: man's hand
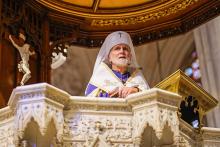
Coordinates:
[114,93]
[123,92]
[10,37]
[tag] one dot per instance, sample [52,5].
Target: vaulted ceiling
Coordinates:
[145,20]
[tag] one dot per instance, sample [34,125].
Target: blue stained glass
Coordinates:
[195,124]
[189,71]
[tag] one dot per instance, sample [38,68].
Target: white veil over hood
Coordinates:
[118,37]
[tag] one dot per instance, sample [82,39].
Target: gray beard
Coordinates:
[120,62]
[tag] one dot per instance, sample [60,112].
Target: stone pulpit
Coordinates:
[169,115]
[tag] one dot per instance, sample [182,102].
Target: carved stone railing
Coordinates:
[148,118]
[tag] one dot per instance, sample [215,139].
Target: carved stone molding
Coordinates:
[210,136]
[6,113]
[181,5]
[188,134]
[36,92]
[153,96]
[7,133]
[114,129]
[156,116]
[43,114]
[110,104]
[42,102]
[92,122]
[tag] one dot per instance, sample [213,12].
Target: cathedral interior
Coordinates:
[66,36]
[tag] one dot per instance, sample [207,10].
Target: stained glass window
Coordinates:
[193,69]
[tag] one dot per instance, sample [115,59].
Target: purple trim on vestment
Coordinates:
[123,77]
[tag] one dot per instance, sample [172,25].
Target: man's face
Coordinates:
[120,55]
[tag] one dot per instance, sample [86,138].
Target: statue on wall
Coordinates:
[25,53]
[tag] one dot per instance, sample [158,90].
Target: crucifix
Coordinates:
[24,50]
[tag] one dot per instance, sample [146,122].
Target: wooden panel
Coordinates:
[8,71]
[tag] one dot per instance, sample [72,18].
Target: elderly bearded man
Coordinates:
[116,72]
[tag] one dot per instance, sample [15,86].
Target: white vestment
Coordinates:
[105,80]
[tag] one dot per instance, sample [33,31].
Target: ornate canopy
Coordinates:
[145,20]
